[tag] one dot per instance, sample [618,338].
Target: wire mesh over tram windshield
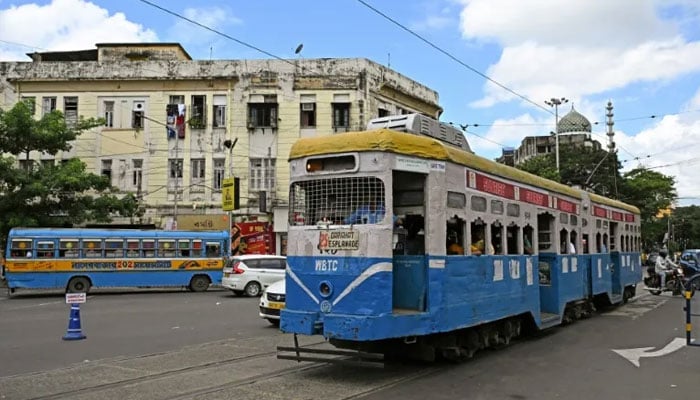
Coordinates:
[356,200]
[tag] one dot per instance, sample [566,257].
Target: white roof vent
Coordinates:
[419,124]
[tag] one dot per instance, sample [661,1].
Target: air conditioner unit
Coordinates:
[139,105]
[307,106]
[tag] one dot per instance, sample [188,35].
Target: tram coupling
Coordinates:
[331,356]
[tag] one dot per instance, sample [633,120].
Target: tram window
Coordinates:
[573,240]
[114,248]
[528,235]
[496,207]
[545,224]
[497,237]
[513,210]
[606,248]
[605,224]
[598,243]
[68,248]
[584,222]
[564,218]
[598,223]
[563,243]
[512,237]
[573,220]
[477,230]
[455,236]
[333,163]
[456,200]
[545,272]
[479,203]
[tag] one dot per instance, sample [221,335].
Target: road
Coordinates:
[173,344]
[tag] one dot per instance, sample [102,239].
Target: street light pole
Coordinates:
[556,103]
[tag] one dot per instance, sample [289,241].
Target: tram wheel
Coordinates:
[199,283]
[78,284]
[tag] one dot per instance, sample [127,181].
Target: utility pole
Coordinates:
[556,103]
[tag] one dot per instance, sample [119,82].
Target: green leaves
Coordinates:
[59,194]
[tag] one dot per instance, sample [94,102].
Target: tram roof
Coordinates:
[429,148]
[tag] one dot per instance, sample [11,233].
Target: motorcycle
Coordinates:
[675,282]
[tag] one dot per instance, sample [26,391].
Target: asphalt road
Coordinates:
[140,334]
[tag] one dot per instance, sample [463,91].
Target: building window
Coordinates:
[30,101]
[26,165]
[341,115]
[137,178]
[48,104]
[262,174]
[263,115]
[198,172]
[109,114]
[107,169]
[70,110]
[199,112]
[137,113]
[308,115]
[382,112]
[219,171]
[219,111]
[175,167]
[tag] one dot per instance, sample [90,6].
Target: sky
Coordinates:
[492,62]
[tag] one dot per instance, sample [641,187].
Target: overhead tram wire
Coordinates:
[454,58]
[242,43]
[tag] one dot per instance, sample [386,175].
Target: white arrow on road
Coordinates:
[633,355]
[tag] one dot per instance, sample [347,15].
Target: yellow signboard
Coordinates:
[228,194]
[203,222]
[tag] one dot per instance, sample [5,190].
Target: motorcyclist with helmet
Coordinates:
[663,265]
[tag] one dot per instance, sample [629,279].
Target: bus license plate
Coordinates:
[276,306]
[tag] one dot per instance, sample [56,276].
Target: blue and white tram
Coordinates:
[402,243]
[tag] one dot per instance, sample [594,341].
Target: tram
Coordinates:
[402,241]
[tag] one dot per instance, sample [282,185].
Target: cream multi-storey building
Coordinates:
[171,122]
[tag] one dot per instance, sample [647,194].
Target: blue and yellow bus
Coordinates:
[78,259]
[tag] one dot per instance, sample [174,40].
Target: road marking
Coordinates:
[633,355]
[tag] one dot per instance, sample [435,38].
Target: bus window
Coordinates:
[166,248]
[132,247]
[184,248]
[213,249]
[196,248]
[45,250]
[21,248]
[68,248]
[114,248]
[92,248]
[149,247]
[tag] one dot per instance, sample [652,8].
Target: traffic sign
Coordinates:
[76,298]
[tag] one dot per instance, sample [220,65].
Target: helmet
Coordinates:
[662,253]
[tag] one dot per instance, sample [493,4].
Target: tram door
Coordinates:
[410,266]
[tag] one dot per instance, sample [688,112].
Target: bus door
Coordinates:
[410,265]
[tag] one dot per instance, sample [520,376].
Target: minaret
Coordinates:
[610,123]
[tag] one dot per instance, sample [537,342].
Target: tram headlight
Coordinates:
[325,289]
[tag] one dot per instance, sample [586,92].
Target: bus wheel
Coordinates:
[252,289]
[79,284]
[199,283]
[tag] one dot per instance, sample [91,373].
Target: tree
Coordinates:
[38,194]
[650,191]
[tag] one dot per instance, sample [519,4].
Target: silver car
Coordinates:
[250,274]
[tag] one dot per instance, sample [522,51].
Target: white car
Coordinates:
[250,274]
[272,301]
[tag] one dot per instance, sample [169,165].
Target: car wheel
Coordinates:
[199,283]
[79,284]
[252,289]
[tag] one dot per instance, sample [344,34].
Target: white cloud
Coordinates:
[194,36]
[81,25]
